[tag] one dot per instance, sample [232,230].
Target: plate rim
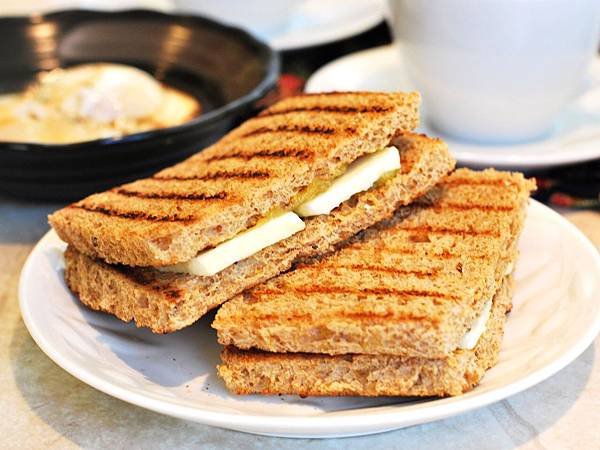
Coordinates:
[476,158]
[337,31]
[314,425]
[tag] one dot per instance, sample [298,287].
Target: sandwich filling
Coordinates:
[360,176]
[469,340]
[241,246]
[478,327]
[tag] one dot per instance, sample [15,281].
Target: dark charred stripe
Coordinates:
[171,195]
[300,129]
[133,214]
[451,231]
[342,93]
[346,290]
[336,109]
[350,315]
[500,182]
[370,316]
[275,317]
[268,154]
[413,251]
[219,175]
[369,268]
[472,206]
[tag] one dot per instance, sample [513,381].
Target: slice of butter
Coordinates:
[360,176]
[245,244]
[470,339]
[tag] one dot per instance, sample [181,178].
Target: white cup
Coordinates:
[496,71]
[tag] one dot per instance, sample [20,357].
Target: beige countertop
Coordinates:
[45,407]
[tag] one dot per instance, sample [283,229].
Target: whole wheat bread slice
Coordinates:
[227,188]
[409,286]
[166,302]
[257,372]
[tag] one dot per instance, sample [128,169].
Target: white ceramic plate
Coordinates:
[575,138]
[289,24]
[556,315]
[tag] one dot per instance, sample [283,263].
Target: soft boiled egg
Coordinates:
[92,101]
[102,92]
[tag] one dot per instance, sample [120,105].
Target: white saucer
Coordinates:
[311,22]
[576,137]
[555,316]
[319,22]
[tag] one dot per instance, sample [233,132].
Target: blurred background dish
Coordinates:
[293,24]
[92,101]
[225,69]
[575,138]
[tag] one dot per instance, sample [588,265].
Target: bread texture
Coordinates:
[409,286]
[166,302]
[258,372]
[225,189]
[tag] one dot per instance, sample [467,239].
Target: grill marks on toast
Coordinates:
[240,174]
[337,103]
[300,115]
[170,196]
[218,175]
[432,272]
[335,109]
[372,316]
[411,251]
[405,294]
[282,153]
[423,229]
[133,214]
[365,316]
[460,238]
[163,195]
[320,130]
[295,149]
[458,206]
[417,233]
[469,181]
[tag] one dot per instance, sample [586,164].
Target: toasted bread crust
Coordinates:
[257,372]
[223,190]
[427,274]
[166,302]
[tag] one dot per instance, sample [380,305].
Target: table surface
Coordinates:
[46,407]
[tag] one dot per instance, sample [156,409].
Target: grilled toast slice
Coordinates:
[259,167]
[409,286]
[258,372]
[166,302]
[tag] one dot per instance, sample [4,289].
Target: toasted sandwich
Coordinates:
[413,306]
[291,183]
